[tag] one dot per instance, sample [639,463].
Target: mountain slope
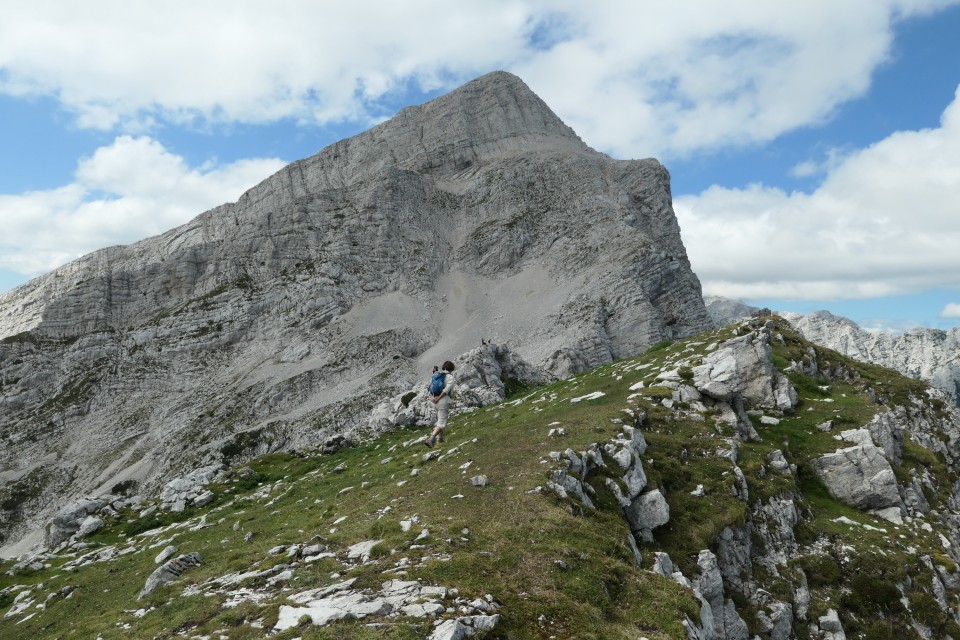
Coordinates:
[757,537]
[279,320]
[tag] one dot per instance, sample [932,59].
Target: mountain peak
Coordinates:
[493,116]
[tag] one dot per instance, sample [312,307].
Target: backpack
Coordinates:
[437,382]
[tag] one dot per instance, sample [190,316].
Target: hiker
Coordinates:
[441,384]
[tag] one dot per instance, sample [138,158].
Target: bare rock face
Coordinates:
[281,319]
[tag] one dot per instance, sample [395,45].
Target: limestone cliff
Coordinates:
[282,318]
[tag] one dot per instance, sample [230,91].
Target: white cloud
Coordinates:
[886,220]
[952,310]
[129,190]
[804,169]
[632,78]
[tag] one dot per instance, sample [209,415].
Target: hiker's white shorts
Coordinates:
[443,412]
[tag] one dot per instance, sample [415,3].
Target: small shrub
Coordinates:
[821,570]
[512,387]
[142,524]
[660,346]
[124,488]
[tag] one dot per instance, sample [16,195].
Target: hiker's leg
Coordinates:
[443,412]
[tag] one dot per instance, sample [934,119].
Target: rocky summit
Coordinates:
[281,320]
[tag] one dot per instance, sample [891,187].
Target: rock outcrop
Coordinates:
[859,476]
[279,320]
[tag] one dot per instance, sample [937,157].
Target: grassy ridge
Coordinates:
[556,570]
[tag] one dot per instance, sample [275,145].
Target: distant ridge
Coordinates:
[932,355]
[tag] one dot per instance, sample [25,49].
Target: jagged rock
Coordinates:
[778,624]
[715,610]
[360,552]
[801,598]
[335,443]
[914,499]
[778,462]
[21,603]
[460,628]
[338,281]
[773,522]
[830,627]
[479,375]
[205,498]
[662,564]
[479,481]
[341,602]
[169,571]
[734,555]
[886,431]
[563,483]
[740,489]
[635,477]
[859,476]
[187,490]
[68,520]
[742,367]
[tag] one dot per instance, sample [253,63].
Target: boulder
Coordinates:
[830,627]
[647,512]
[169,571]
[859,476]
[165,555]
[89,526]
[68,520]
[743,367]
[204,498]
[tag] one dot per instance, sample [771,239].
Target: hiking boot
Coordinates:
[429,442]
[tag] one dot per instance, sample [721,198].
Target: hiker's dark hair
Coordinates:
[448,366]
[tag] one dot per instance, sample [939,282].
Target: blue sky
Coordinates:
[814,147]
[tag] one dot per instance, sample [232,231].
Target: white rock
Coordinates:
[165,555]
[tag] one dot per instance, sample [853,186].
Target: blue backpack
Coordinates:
[437,382]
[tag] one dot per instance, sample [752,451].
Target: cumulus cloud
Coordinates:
[633,78]
[952,310]
[885,221]
[123,192]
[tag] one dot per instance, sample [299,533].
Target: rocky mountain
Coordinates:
[926,354]
[741,484]
[932,355]
[724,311]
[280,320]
